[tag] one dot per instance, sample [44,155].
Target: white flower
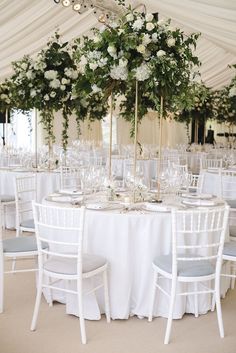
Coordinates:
[63,87]
[84,103]
[170,42]
[111,50]
[46,97]
[146,39]
[30,75]
[232,91]
[102,62]
[142,72]
[96,39]
[120,31]
[102,28]
[50,74]
[65,81]
[71,73]
[154,37]
[161,22]
[178,83]
[95,89]
[55,83]
[114,24]
[33,93]
[141,48]
[138,24]
[119,73]
[24,66]
[5,98]
[93,66]
[149,17]
[53,94]
[150,26]
[123,62]
[161,53]
[130,17]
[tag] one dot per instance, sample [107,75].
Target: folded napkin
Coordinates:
[156,207]
[61,198]
[97,206]
[70,191]
[199,202]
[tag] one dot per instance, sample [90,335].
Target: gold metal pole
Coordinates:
[36,137]
[160,153]
[110,143]
[135,137]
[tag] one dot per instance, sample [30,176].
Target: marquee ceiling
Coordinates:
[26,25]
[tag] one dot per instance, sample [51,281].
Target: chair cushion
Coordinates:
[230,248]
[185,268]
[20,244]
[7,198]
[232,231]
[231,203]
[69,266]
[28,223]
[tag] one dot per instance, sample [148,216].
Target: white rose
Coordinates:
[170,42]
[154,37]
[130,17]
[64,81]
[24,66]
[93,66]
[141,48]
[150,26]
[232,91]
[149,17]
[146,39]
[161,53]
[53,94]
[46,97]
[95,89]
[33,93]
[111,49]
[63,87]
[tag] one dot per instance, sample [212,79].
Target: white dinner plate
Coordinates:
[70,192]
[197,203]
[197,196]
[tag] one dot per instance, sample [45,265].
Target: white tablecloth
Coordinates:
[130,242]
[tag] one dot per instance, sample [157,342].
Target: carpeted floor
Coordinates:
[58,332]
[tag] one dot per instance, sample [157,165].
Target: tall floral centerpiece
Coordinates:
[136,56]
[6,103]
[197,106]
[45,83]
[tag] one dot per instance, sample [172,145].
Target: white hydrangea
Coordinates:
[55,83]
[232,91]
[149,17]
[138,24]
[71,73]
[150,26]
[50,74]
[141,48]
[130,17]
[119,73]
[24,66]
[30,75]
[161,53]
[171,42]
[102,62]
[154,37]
[142,72]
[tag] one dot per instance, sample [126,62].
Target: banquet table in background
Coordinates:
[212,183]
[129,241]
[47,182]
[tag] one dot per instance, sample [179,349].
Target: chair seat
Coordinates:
[231,203]
[7,198]
[69,266]
[230,248]
[20,244]
[185,268]
[232,231]
[28,223]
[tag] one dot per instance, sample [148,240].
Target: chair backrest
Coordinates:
[198,235]
[228,185]
[196,183]
[25,192]
[70,177]
[208,163]
[62,228]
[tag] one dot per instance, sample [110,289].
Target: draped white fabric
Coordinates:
[26,25]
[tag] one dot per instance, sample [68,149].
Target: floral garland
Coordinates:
[6,101]
[137,47]
[46,84]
